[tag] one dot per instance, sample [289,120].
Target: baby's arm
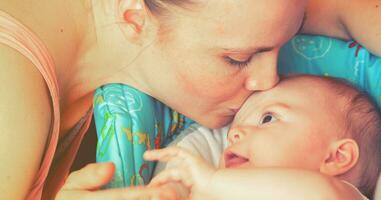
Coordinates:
[346,19]
[256,183]
[278,183]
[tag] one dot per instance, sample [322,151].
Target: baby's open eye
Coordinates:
[267,118]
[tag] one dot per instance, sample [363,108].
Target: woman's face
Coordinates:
[212,58]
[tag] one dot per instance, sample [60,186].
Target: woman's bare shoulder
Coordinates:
[25,116]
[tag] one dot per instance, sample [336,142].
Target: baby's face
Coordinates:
[290,125]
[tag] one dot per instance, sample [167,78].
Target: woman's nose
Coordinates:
[260,83]
[264,74]
[235,136]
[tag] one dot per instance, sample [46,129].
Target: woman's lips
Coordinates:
[233,160]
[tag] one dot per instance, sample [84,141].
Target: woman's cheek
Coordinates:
[213,87]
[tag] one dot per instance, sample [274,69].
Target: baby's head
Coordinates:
[309,122]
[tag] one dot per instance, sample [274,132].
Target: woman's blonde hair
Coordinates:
[162,7]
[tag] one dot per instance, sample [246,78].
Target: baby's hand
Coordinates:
[175,190]
[186,168]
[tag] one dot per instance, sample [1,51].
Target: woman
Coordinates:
[54,54]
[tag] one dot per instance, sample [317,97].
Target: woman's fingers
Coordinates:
[83,185]
[116,194]
[133,193]
[91,177]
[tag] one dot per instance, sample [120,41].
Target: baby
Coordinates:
[308,138]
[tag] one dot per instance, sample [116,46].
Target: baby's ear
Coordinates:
[341,157]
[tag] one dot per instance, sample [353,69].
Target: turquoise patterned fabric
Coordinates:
[128,122]
[332,57]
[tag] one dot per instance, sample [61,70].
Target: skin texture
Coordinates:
[190,62]
[91,45]
[283,122]
[356,19]
[276,138]
[202,181]
[26,83]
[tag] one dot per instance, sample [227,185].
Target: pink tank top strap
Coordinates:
[17,36]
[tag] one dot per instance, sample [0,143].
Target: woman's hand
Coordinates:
[192,171]
[84,184]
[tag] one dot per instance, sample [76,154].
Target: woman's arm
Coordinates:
[346,19]
[25,116]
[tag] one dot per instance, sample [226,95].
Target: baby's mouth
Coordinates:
[234,160]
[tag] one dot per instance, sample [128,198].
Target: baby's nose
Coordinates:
[235,136]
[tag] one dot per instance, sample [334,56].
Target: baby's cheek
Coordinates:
[317,142]
[314,149]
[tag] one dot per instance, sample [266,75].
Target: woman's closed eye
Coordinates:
[267,118]
[243,60]
[241,63]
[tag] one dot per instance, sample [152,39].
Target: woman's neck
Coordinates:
[106,55]
[109,53]
[74,103]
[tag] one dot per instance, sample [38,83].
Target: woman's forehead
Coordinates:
[246,23]
[233,11]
